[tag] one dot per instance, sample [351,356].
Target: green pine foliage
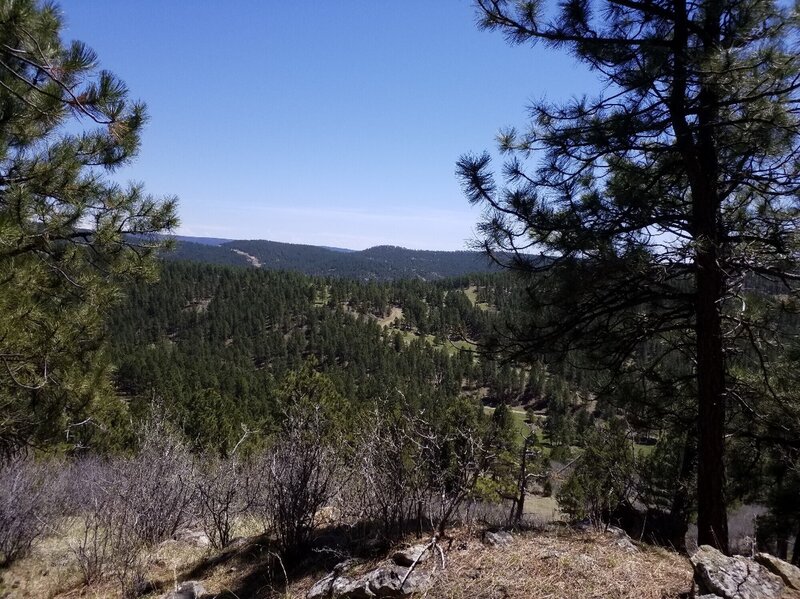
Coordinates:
[69,238]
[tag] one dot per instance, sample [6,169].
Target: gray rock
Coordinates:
[626,544]
[191,589]
[789,573]
[406,557]
[733,577]
[323,588]
[333,584]
[340,585]
[501,538]
[346,565]
[382,582]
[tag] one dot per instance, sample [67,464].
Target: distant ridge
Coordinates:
[200,240]
[384,262]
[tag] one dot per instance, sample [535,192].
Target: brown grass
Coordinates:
[552,565]
[559,564]
[564,565]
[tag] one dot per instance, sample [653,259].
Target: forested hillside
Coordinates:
[215,344]
[376,263]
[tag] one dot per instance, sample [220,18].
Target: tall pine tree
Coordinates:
[657,203]
[68,236]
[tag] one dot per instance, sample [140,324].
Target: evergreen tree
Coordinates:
[68,236]
[657,202]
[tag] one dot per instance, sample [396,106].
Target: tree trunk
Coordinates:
[519,503]
[712,520]
[700,157]
[682,500]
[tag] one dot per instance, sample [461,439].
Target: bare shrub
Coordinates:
[29,506]
[123,505]
[107,545]
[414,470]
[455,456]
[388,485]
[302,471]
[227,489]
[158,485]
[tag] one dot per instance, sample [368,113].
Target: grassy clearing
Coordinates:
[472,294]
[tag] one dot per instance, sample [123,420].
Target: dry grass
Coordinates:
[558,564]
[564,565]
[51,570]
[553,565]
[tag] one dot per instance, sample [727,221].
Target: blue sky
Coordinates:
[329,123]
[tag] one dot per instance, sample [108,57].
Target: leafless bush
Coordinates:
[227,489]
[302,479]
[108,544]
[388,486]
[158,484]
[455,457]
[412,472]
[126,504]
[29,506]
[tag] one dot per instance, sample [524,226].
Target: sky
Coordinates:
[319,122]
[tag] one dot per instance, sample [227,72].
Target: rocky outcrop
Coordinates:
[191,589]
[385,581]
[621,539]
[501,538]
[789,573]
[734,577]
[415,553]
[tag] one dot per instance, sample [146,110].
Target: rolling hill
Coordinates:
[376,263]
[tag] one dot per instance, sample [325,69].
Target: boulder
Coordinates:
[382,582]
[734,577]
[333,584]
[323,588]
[789,573]
[625,544]
[501,538]
[346,565]
[415,553]
[191,589]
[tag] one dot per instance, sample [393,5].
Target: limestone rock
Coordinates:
[191,589]
[406,557]
[323,588]
[789,573]
[346,565]
[501,538]
[625,544]
[733,577]
[382,582]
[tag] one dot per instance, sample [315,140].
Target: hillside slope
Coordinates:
[379,263]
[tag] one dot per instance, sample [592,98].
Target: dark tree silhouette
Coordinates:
[657,203]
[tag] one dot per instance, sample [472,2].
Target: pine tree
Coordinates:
[657,203]
[68,236]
